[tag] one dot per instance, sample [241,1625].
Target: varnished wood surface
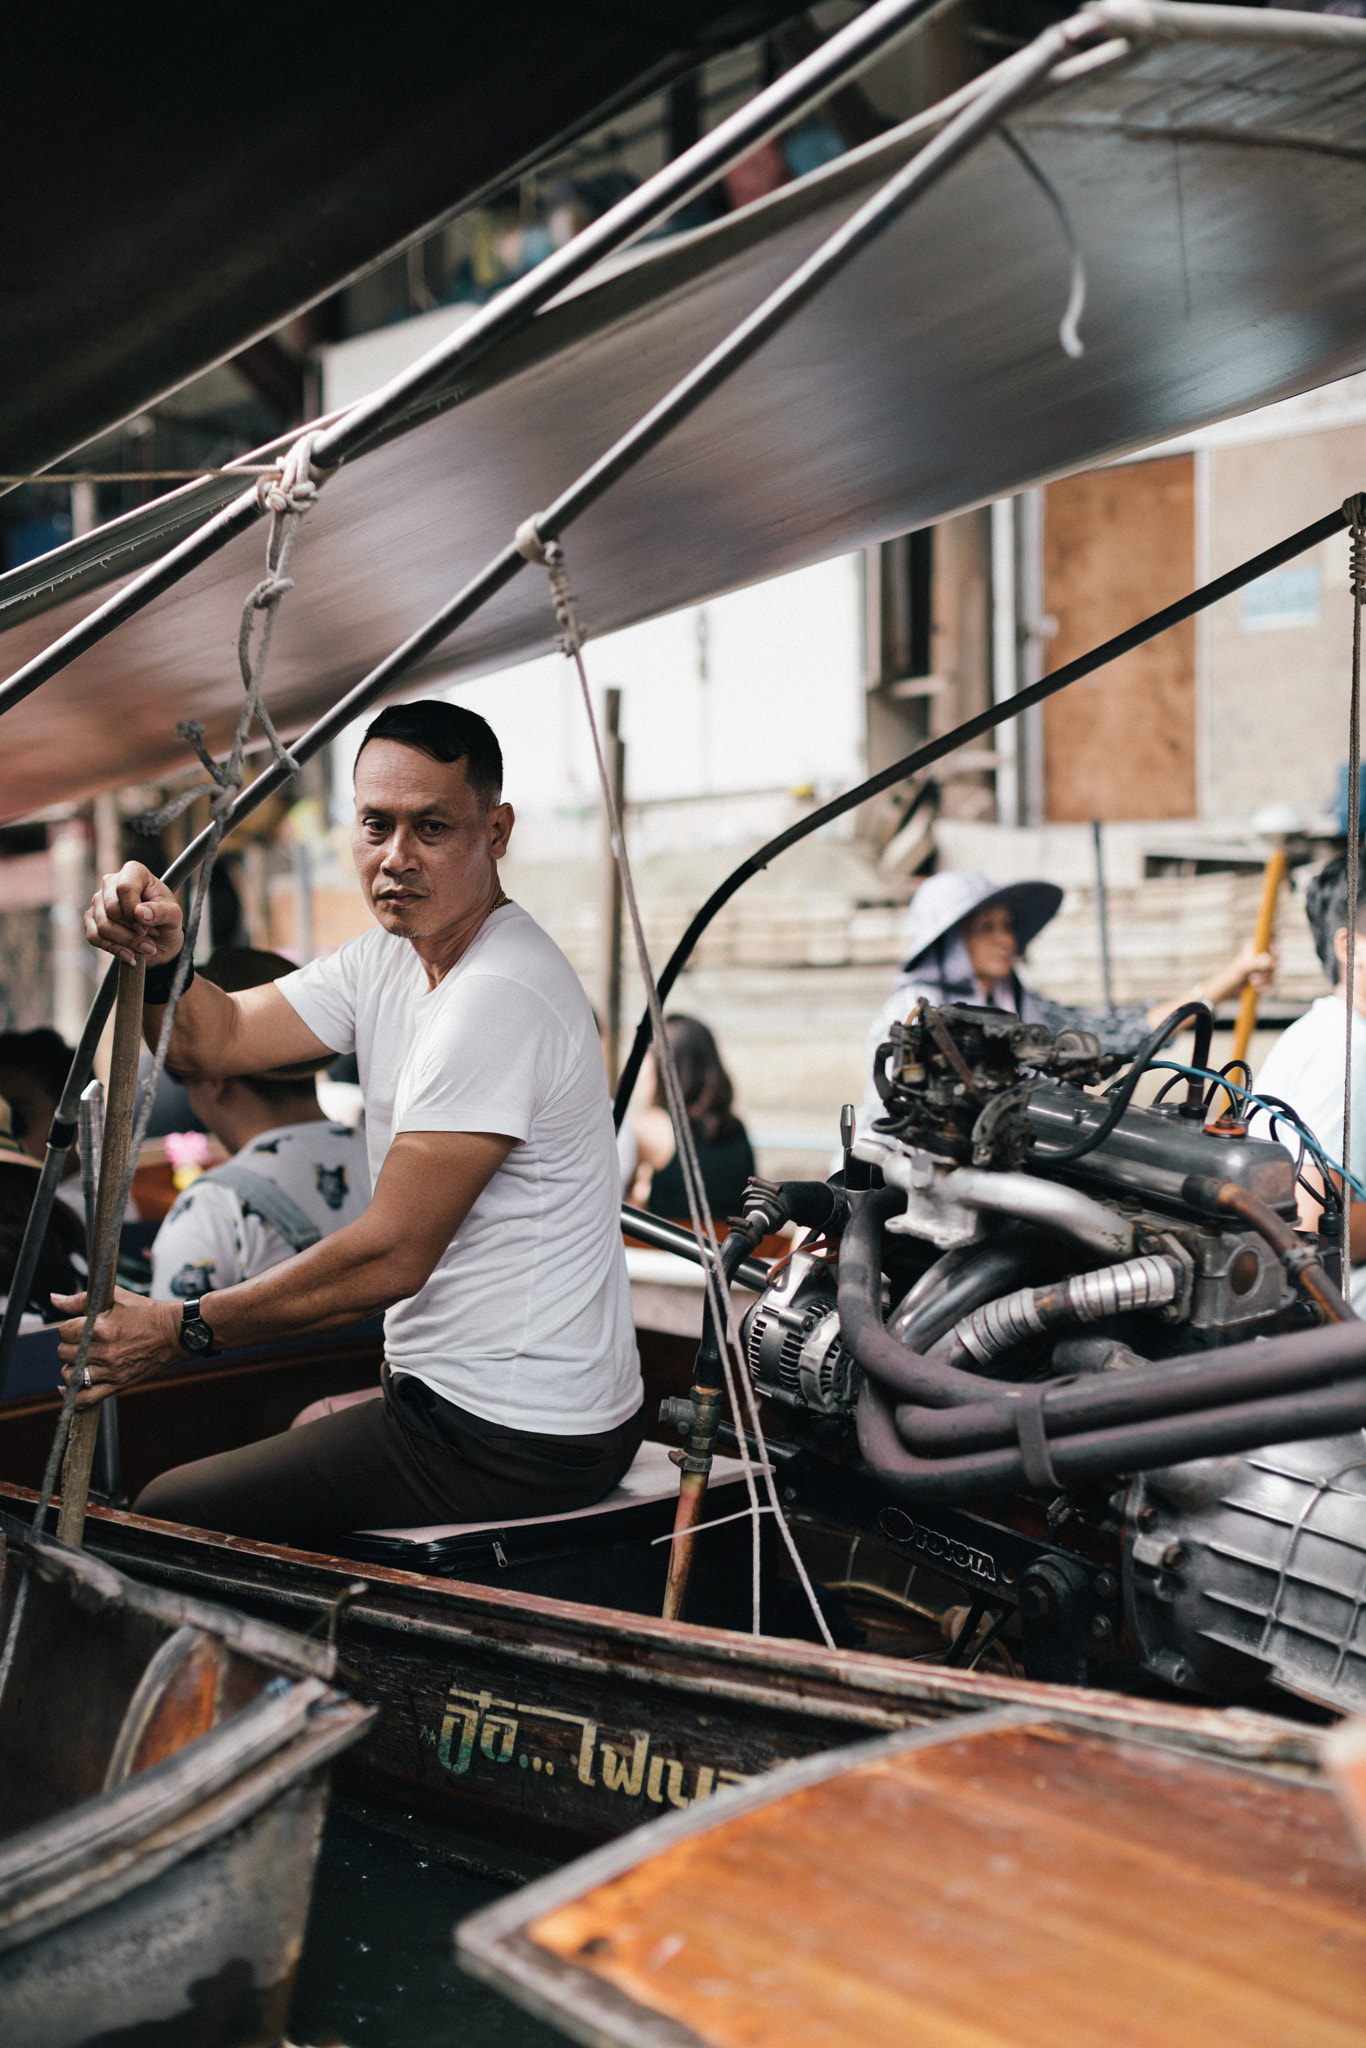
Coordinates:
[1027,1886]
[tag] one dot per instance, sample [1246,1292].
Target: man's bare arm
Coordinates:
[134,916]
[427,1186]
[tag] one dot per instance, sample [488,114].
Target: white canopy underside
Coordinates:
[1215,176]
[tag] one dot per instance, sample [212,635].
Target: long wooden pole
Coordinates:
[120,1110]
[1272,878]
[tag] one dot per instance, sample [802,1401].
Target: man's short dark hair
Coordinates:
[1325,905]
[447,732]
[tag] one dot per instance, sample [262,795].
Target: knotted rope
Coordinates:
[551,557]
[1354,512]
[287,498]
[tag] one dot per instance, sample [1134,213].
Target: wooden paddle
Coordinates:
[120,1109]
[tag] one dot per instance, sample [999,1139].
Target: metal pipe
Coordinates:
[1001,92]
[672,1237]
[806,85]
[134,597]
[1020,1195]
[1102,917]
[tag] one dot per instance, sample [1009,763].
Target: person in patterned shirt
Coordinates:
[293,1177]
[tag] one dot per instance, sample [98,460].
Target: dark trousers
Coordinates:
[404,1461]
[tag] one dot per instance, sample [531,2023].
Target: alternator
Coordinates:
[793,1345]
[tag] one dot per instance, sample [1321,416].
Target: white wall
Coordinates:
[781,707]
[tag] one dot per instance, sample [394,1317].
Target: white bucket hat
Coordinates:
[944,900]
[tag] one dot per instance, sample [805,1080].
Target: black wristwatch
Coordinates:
[195,1334]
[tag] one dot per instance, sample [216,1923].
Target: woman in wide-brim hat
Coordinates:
[965,935]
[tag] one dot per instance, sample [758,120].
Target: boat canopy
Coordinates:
[1209,163]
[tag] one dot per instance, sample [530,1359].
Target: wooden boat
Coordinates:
[164,1769]
[531,1702]
[1020,1881]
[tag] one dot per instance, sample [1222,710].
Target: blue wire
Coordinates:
[1311,1144]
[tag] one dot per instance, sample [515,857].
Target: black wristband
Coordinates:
[156,985]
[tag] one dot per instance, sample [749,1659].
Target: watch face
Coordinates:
[195,1333]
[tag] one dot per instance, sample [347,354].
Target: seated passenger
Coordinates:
[61,1260]
[33,1070]
[1306,1065]
[294,1177]
[724,1152]
[512,1384]
[964,935]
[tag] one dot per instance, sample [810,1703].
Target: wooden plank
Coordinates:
[1000,1889]
[1118,544]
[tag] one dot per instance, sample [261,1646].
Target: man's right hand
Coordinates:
[135,917]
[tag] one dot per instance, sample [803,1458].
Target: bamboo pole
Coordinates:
[118,1131]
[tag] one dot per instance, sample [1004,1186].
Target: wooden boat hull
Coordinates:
[165,1773]
[536,1728]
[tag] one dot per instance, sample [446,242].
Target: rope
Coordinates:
[287,498]
[1354,511]
[550,555]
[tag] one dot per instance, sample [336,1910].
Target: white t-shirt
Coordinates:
[213,1237]
[526,1319]
[1305,1068]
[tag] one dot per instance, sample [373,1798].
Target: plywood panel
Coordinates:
[1118,545]
[1007,1890]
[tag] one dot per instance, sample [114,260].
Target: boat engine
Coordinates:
[1039,1339]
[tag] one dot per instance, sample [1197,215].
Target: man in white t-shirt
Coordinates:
[293,1178]
[512,1385]
[1307,1064]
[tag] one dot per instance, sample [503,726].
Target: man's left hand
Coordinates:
[133,1340]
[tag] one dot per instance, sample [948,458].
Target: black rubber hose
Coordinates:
[906,1371]
[1199,1014]
[1266,1368]
[1102,1454]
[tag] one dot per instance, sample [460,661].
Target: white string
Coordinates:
[1355,509]
[551,555]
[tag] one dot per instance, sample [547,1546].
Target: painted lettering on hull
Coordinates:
[479,1725]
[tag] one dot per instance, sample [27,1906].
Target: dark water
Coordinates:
[379,1968]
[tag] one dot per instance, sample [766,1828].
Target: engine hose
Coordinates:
[1301,1261]
[1099,1454]
[1268,1367]
[1180,1409]
[964,1279]
[1149,1282]
[906,1371]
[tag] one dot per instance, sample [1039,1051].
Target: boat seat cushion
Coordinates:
[652,1476]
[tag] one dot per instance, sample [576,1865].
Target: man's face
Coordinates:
[31,1108]
[426,847]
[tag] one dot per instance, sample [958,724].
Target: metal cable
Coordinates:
[551,555]
[1354,510]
